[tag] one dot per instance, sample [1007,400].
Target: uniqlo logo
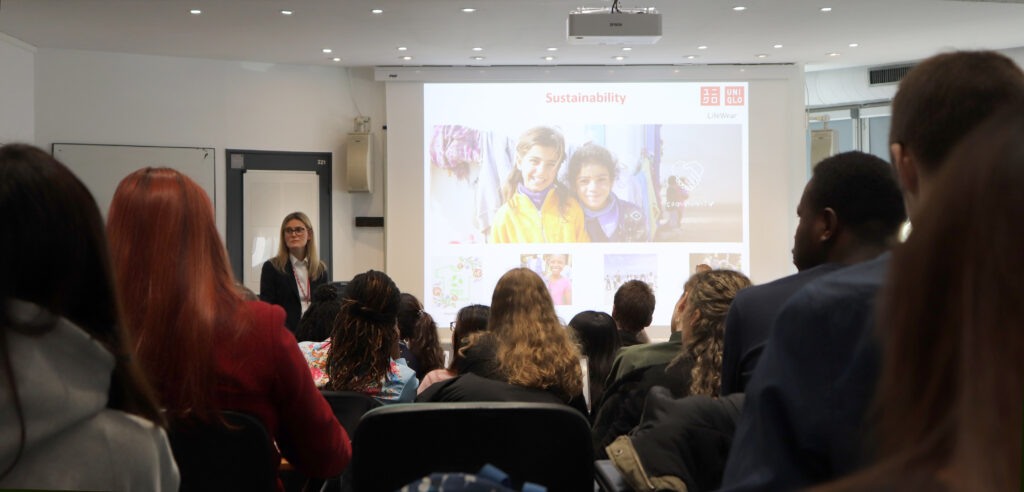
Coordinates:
[735,95]
[710,96]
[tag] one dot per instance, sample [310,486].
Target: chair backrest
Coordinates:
[544,443]
[349,406]
[212,456]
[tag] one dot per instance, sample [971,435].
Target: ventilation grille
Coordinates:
[888,75]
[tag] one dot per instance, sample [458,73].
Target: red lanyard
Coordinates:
[303,294]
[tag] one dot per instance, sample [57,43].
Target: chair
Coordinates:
[349,407]
[212,456]
[545,443]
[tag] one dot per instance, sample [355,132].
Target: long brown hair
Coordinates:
[364,333]
[51,217]
[708,297]
[316,266]
[534,350]
[173,276]
[418,328]
[469,320]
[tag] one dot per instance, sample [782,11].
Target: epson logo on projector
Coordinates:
[614,24]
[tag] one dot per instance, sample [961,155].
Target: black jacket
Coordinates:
[280,288]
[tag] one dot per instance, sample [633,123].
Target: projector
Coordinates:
[603,26]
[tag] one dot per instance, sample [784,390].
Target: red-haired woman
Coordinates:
[202,345]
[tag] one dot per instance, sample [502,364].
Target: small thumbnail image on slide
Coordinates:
[457,281]
[619,269]
[556,270]
[717,261]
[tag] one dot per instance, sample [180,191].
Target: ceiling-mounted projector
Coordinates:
[608,26]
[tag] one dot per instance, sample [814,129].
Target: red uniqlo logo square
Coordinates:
[710,96]
[735,95]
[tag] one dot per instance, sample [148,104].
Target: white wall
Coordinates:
[110,98]
[17,91]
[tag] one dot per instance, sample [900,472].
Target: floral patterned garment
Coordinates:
[316,357]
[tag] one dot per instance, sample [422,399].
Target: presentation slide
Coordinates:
[588,184]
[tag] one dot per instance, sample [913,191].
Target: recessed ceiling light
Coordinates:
[406,57]
[478,49]
[377,11]
[691,57]
[853,45]
[549,58]
[478,58]
[336,59]
[620,57]
[826,9]
[627,48]
[702,47]
[195,11]
[469,10]
[402,48]
[739,8]
[833,53]
[287,12]
[777,46]
[327,50]
[552,49]
[762,55]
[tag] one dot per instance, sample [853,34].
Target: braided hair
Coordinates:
[364,333]
[707,305]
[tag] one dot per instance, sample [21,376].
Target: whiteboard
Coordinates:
[102,167]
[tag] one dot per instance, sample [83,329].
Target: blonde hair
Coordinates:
[316,267]
[707,304]
[533,348]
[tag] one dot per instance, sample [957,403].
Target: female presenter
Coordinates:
[289,278]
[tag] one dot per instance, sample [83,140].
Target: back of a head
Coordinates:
[956,283]
[409,312]
[707,305]
[364,332]
[175,282]
[56,248]
[469,320]
[944,97]
[318,320]
[533,348]
[596,333]
[633,306]
[864,193]
[54,220]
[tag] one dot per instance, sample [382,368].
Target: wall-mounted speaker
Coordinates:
[358,173]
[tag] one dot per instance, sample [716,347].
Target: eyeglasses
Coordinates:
[451,326]
[295,230]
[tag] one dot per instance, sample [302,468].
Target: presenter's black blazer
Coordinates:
[280,288]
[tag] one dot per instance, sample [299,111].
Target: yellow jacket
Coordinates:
[519,221]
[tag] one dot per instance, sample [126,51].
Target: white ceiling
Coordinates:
[515,32]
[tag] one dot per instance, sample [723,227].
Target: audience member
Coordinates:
[534,359]
[803,418]
[469,320]
[289,278]
[850,211]
[949,411]
[202,345]
[418,343]
[633,310]
[536,207]
[75,411]
[318,320]
[632,358]
[696,370]
[598,338]
[592,172]
[362,353]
